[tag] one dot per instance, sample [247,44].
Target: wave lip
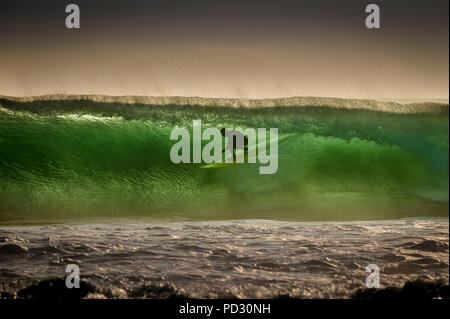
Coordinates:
[305,101]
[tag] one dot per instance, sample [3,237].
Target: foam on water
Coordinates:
[245,259]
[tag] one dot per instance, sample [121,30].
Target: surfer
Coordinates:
[236,141]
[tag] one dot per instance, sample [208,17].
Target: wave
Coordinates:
[73,159]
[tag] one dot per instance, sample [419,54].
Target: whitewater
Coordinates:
[226,259]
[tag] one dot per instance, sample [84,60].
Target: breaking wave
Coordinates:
[75,157]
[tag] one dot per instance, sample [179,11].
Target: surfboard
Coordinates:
[224,164]
[251,151]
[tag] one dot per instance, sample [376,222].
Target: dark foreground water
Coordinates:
[244,259]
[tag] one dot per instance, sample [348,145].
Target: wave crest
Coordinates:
[308,101]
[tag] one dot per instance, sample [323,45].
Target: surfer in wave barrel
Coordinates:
[236,141]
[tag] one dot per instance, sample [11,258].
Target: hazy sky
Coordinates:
[226,48]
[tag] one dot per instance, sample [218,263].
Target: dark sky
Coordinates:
[226,48]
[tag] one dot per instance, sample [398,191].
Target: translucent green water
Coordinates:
[75,160]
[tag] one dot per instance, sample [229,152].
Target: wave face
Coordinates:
[82,159]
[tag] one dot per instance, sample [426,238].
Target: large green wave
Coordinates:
[74,160]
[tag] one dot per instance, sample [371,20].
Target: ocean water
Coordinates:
[72,160]
[89,181]
[225,259]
